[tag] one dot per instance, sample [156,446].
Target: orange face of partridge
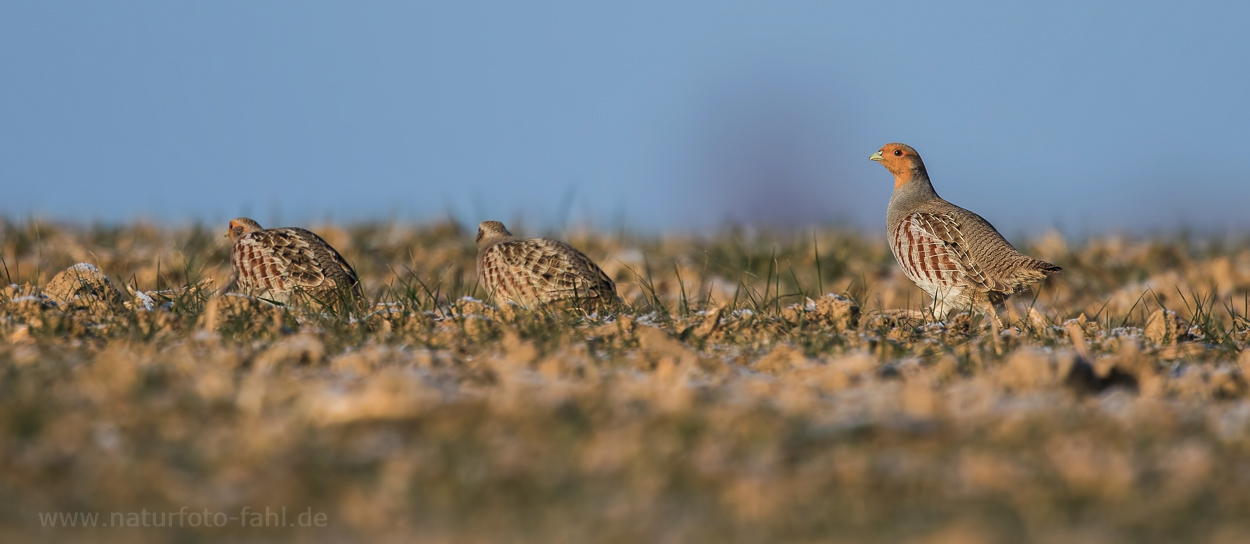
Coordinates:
[901,160]
[241,226]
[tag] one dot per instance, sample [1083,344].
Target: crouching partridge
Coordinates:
[535,271]
[954,255]
[284,265]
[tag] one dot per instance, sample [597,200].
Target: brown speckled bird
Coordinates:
[282,264]
[534,271]
[951,253]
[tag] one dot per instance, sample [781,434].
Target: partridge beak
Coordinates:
[876,157]
[227,234]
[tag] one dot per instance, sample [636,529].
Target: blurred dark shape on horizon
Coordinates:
[765,154]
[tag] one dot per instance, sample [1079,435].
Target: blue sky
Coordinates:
[1090,117]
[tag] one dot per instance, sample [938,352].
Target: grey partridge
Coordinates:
[284,265]
[952,254]
[536,271]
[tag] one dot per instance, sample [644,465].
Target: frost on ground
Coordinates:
[785,406]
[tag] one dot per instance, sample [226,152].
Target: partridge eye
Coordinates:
[898,153]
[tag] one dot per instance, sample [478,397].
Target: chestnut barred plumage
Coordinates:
[286,264]
[535,271]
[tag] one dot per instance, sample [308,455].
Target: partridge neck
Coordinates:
[913,180]
[492,241]
[908,195]
[904,176]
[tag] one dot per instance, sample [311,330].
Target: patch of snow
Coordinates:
[144,301]
[204,335]
[1130,332]
[648,319]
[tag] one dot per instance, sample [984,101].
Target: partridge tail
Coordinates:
[1027,272]
[1044,267]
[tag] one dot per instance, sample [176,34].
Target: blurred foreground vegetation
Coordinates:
[758,386]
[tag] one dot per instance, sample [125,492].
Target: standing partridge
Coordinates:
[954,255]
[535,271]
[285,264]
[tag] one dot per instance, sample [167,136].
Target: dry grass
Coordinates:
[719,406]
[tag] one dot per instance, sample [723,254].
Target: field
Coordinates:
[759,386]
